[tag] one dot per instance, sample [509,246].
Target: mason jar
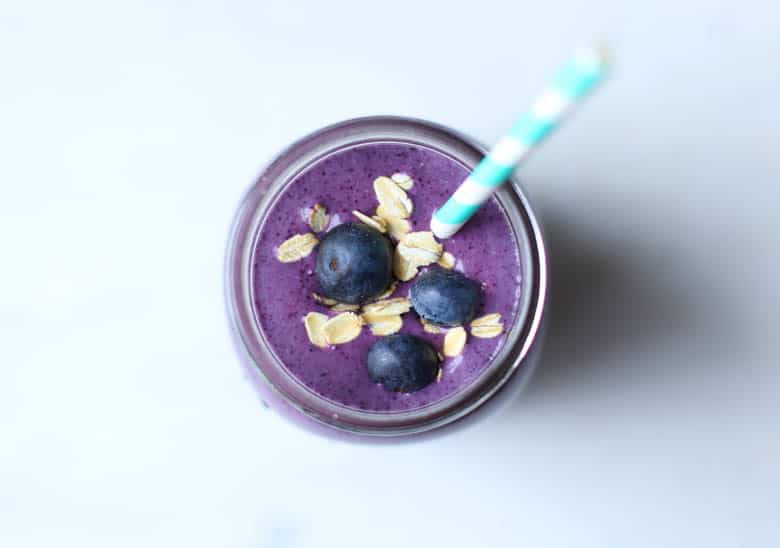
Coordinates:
[498,383]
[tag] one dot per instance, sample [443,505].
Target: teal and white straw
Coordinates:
[578,77]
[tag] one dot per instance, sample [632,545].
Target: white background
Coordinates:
[127,135]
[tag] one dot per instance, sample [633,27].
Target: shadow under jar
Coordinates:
[328,390]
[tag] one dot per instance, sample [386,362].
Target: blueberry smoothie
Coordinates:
[483,258]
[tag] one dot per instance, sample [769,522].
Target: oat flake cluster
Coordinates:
[413,251]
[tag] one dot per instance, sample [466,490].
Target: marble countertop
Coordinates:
[129,133]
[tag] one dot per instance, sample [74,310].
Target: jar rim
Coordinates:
[259,200]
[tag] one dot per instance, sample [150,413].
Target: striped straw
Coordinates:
[579,76]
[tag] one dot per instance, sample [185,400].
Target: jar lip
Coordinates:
[248,220]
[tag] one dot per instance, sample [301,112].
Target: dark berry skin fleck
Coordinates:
[446,297]
[402,363]
[354,263]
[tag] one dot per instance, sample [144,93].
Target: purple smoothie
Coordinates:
[485,249]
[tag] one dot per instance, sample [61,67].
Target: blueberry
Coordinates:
[402,363]
[354,263]
[446,297]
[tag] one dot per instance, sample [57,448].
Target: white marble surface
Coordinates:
[128,132]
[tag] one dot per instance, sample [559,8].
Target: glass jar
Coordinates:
[502,379]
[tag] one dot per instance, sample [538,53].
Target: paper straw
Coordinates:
[578,77]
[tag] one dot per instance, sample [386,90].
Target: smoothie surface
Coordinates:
[485,250]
